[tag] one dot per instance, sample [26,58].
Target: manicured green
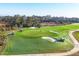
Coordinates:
[29,41]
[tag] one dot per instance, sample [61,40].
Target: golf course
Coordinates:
[30,41]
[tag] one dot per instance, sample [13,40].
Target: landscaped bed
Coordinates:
[29,41]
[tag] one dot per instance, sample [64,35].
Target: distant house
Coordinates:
[49,23]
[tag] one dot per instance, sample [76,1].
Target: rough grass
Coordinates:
[30,42]
[76,34]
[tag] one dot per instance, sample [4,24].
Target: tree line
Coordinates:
[35,21]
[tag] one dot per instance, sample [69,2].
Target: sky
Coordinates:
[40,9]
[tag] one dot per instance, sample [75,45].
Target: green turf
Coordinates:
[29,41]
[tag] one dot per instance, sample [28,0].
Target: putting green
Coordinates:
[29,41]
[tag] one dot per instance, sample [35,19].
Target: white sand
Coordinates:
[53,32]
[49,39]
[32,27]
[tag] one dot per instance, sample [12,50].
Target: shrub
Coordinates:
[3,36]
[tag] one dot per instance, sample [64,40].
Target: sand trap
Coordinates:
[49,39]
[32,27]
[53,32]
[11,33]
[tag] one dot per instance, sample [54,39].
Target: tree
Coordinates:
[19,22]
[29,21]
[33,21]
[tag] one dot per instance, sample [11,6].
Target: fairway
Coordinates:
[29,41]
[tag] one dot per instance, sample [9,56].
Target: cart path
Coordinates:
[72,51]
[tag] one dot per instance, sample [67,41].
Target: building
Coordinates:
[49,24]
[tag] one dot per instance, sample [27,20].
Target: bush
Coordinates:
[3,36]
[61,40]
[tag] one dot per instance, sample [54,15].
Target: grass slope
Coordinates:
[29,41]
[76,34]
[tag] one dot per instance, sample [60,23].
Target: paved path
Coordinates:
[73,51]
